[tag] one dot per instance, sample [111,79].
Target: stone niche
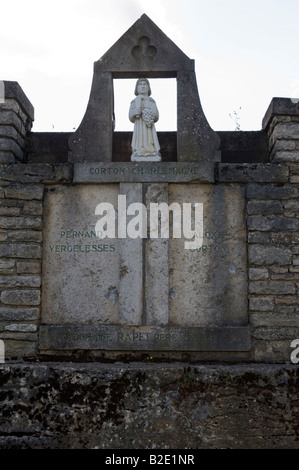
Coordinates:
[123,294]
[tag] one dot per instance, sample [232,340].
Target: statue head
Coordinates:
[143,80]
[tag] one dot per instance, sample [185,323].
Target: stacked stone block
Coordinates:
[16,116]
[20,267]
[21,209]
[273,240]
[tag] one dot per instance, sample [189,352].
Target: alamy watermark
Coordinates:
[187,221]
[2,92]
[2,352]
[295,353]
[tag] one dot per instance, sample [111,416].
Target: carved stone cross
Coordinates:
[144,53]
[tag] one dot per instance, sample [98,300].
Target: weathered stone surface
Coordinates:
[11,202]
[143,338]
[280,110]
[28,267]
[258,274]
[196,140]
[3,235]
[20,250]
[18,314]
[20,281]
[7,266]
[271,287]
[294,168]
[11,133]
[286,131]
[294,179]
[20,297]
[156,265]
[27,192]
[208,285]
[292,205]
[275,333]
[248,173]
[21,222]
[15,94]
[183,406]
[10,211]
[25,236]
[80,270]
[267,255]
[274,319]
[7,158]
[264,207]
[244,146]
[258,237]
[285,238]
[269,224]
[287,157]
[37,173]
[33,208]
[149,172]
[19,348]
[287,300]
[9,118]
[283,145]
[21,327]
[92,141]
[131,265]
[261,303]
[19,335]
[9,145]
[271,191]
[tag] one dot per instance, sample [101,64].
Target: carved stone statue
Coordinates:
[144,113]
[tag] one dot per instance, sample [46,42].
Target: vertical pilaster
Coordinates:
[156,264]
[131,264]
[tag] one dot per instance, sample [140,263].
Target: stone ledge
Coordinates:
[148,406]
[37,173]
[133,172]
[252,173]
[143,338]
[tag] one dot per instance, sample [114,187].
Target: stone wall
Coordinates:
[93,404]
[21,209]
[170,406]
[272,196]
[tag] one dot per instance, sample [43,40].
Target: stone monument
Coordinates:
[148,294]
[108,290]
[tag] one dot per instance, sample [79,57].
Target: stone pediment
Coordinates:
[144,49]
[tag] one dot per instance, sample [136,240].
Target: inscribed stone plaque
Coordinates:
[80,271]
[208,285]
[144,293]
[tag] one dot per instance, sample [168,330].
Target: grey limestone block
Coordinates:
[21,297]
[271,191]
[262,255]
[25,192]
[30,222]
[21,250]
[20,281]
[19,313]
[250,173]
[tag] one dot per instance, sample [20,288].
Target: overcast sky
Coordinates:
[245,52]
